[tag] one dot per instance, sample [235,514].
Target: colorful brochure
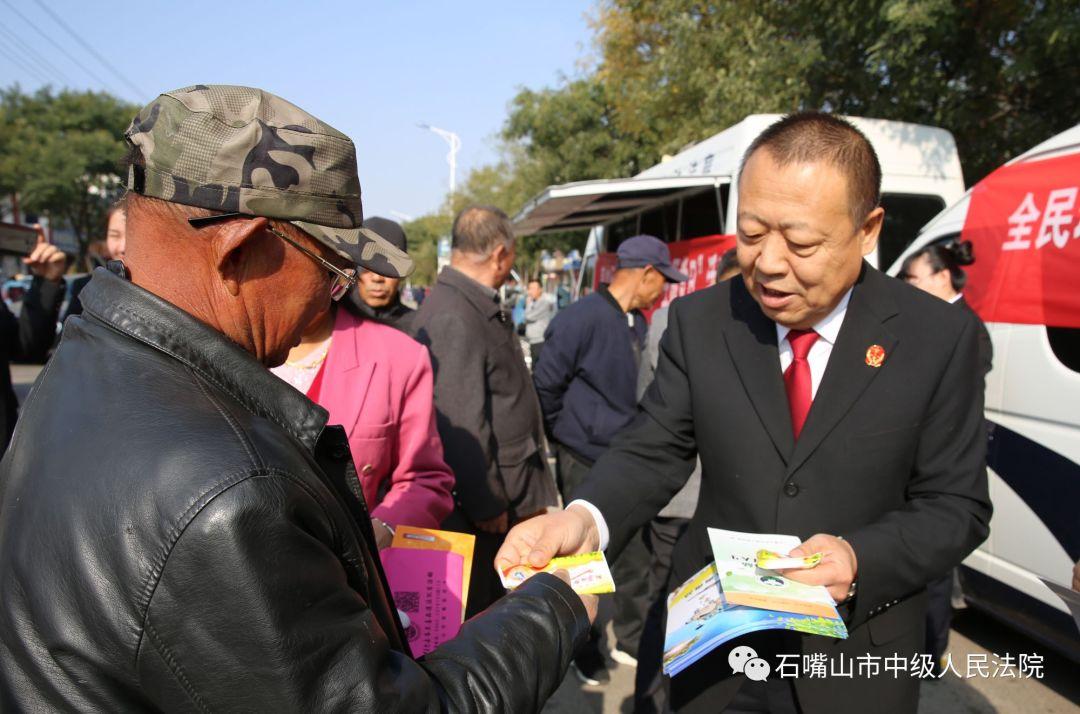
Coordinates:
[427,589]
[700,620]
[431,539]
[774,561]
[589,573]
[744,583]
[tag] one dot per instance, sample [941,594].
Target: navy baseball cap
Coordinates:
[643,250]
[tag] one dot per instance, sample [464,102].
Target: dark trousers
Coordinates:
[629,570]
[534,352]
[633,593]
[650,683]
[484,584]
[938,616]
[570,471]
[773,696]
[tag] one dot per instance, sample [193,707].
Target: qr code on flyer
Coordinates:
[407,601]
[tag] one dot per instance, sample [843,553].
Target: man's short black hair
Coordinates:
[807,137]
[478,230]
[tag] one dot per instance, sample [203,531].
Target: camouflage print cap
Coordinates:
[238,149]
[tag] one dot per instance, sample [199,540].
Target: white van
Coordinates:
[687,195]
[1033,415]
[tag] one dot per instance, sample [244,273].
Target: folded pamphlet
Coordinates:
[426,586]
[699,620]
[732,597]
[744,583]
[589,573]
[432,539]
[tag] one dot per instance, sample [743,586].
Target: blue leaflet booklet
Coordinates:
[700,618]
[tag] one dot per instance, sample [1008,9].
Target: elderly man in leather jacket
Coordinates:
[179,529]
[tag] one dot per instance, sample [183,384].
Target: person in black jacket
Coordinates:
[216,553]
[586,379]
[377,296]
[29,337]
[826,401]
[487,412]
[938,270]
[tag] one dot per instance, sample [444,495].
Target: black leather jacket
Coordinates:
[180,531]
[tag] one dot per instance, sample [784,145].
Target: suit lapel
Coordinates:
[848,375]
[751,340]
[348,374]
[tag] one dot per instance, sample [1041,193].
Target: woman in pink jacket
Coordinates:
[377,383]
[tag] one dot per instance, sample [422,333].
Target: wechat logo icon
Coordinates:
[744,660]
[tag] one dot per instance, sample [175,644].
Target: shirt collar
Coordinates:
[828,327]
[143,316]
[611,299]
[485,297]
[956,298]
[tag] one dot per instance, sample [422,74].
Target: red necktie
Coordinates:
[797,377]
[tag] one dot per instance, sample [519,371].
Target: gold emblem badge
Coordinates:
[875,355]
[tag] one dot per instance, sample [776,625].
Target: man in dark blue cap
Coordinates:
[586,379]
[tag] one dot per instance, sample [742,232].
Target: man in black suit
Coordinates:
[825,400]
[487,411]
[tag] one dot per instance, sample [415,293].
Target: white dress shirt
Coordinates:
[828,328]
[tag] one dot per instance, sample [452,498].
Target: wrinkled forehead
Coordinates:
[819,185]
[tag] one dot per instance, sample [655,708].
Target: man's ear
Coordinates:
[871,230]
[232,247]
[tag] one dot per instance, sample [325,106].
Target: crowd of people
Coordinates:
[242,410]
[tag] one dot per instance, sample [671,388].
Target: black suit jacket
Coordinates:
[986,345]
[26,339]
[891,458]
[486,408]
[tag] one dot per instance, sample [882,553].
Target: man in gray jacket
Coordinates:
[539,309]
[487,411]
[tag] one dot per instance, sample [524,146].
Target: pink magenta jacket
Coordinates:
[377,383]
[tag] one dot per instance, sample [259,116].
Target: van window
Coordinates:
[618,232]
[700,216]
[661,221]
[1065,343]
[904,216]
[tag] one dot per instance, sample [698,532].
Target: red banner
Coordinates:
[698,258]
[1025,225]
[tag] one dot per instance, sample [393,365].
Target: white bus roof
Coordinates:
[907,151]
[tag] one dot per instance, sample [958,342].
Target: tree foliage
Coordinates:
[61,152]
[1001,75]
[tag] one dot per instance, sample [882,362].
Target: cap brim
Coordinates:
[362,246]
[670,274]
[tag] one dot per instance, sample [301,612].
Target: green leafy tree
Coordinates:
[1000,75]
[61,153]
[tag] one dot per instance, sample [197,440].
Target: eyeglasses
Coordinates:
[344,279]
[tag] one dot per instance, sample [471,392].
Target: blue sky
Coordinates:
[372,70]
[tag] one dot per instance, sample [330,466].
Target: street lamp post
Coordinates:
[454,142]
